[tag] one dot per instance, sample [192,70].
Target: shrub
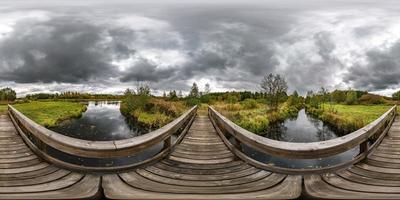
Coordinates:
[249,104]
[371,99]
[191,101]
[251,122]
[149,111]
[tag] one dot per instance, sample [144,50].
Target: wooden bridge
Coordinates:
[194,157]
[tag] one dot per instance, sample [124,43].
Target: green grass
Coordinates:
[348,118]
[254,116]
[3,109]
[50,113]
[365,113]
[150,112]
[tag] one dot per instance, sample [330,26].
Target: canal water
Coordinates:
[302,129]
[101,121]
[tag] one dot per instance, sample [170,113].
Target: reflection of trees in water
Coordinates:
[276,131]
[135,127]
[324,131]
[96,103]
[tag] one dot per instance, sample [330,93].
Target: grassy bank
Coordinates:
[255,116]
[3,109]
[348,118]
[150,112]
[50,113]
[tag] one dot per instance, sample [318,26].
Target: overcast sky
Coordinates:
[104,47]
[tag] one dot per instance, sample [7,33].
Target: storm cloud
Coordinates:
[98,46]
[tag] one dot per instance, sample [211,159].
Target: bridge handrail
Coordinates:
[303,150]
[101,149]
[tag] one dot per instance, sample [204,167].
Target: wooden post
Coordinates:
[364,148]
[238,145]
[168,142]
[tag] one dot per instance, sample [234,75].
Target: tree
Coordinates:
[128,92]
[295,99]
[180,94]
[143,89]
[7,94]
[275,87]
[351,97]
[172,95]
[396,95]
[194,91]
[207,89]
[325,94]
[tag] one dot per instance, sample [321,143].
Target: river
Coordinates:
[302,128]
[101,121]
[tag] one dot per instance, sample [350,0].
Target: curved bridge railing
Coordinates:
[234,137]
[73,153]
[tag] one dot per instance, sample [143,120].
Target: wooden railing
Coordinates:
[31,131]
[312,150]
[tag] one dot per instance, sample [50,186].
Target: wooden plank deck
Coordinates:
[201,167]
[378,177]
[23,175]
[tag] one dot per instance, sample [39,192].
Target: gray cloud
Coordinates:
[232,45]
[381,72]
[143,70]
[60,50]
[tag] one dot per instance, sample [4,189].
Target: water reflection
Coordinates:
[303,128]
[101,121]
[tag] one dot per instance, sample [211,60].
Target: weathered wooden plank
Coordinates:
[198,167]
[23,175]
[231,174]
[378,177]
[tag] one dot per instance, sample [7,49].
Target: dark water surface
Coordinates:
[101,121]
[303,128]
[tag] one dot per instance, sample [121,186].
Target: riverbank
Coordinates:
[3,109]
[151,113]
[348,118]
[51,113]
[254,116]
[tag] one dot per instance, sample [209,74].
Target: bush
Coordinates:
[249,104]
[7,94]
[152,120]
[371,99]
[251,122]
[149,111]
[192,101]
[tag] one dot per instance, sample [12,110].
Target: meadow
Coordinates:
[151,112]
[348,118]
[255,116]
[3,109]
[50,113]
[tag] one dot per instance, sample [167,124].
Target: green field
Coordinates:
[50,113]
[366,113]
[3,109]
[348,118]
[254,116]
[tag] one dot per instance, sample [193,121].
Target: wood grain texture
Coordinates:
[23,175]
[201,167]
[377,177]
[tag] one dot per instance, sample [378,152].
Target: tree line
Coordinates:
[71,95]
